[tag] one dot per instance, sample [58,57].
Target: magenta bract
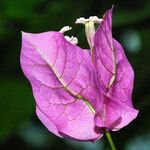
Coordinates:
[78,98]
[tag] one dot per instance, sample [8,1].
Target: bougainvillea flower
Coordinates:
[79,93]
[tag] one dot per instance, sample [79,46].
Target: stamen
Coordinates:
[65,28]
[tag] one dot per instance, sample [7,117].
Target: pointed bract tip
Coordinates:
[112,6]
[24,34]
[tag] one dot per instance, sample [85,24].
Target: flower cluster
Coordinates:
[79,93]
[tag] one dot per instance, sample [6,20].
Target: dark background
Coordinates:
[19,126]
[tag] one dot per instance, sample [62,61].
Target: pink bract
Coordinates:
[78,98]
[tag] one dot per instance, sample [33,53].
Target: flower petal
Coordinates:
[61,74]
[116,115]
[115,75]
[104,58]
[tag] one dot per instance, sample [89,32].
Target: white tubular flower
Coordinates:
[89,27]
[93,19]
[65,29]
[72,39]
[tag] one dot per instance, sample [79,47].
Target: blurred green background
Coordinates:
[19,126]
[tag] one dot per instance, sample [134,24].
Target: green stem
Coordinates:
[110,140]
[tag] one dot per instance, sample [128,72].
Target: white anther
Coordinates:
[72,39]
[82,20]
[65,28]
